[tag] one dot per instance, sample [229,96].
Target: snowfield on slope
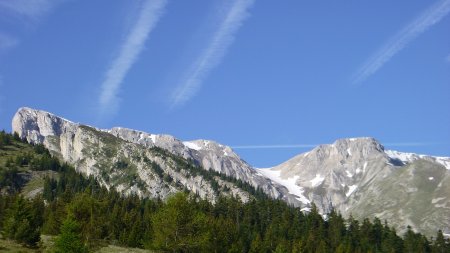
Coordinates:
[410,157]
[289,183]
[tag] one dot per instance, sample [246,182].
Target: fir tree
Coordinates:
[69,241]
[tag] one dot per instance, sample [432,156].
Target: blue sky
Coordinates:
[270,78]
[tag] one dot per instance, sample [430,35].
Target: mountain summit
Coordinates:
[97,152]
[358,177]
[355,176]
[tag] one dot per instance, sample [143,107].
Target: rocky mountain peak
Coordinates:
[356,175]
[77,143]
[35,125]
[346,148]
[207,146]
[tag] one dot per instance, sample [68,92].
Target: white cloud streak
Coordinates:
[288,146]
[213,53]
[275,146]
[20,12]
[130,50]
[423,22]
[29,9]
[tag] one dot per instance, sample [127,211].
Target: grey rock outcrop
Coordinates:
[93,151]
[359,177]
[356,176]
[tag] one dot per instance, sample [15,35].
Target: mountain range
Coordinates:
[356,176]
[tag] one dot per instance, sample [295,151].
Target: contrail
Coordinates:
[277,146]
[133,45]
[287,146]
[30,9]
[213,53]
[423,22]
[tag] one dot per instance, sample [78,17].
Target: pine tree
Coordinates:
[440,245]
[22,223]
[256,245]
[69,241]
[178,226]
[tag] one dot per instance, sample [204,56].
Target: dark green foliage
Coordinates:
[441,244]
[69,241]
[121,164]
[10,179]
[180,226]
[16,137]
[194,170]
[23,221]
[41,150]
[156,168]
[5,139]
[83,215]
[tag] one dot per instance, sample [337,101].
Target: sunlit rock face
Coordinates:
[356,176]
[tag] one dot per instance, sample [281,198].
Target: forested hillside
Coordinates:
[42,196]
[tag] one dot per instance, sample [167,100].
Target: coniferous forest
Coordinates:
[83,216]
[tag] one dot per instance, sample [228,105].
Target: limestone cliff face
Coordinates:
[103,153]
[208,155]
[356,176]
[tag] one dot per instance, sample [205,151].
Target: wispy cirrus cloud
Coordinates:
[287,146]
[275,146]
[27,9]
[19,13]
[423,22]
[212,55]
[448,58]
[130,50]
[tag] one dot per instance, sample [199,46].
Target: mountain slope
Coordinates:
[141,163]
[359,177]
[355,176]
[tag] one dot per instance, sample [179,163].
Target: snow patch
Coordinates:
[358,170]
[289,183]
[351,189]
[305,209]
[444,161]
[192,145]
[317,180]
[431,178]
[404,157]
[349,152]
[348,173]
[364,167]
[434,201]
[410,157]
[153,137]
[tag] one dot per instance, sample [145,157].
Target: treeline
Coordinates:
[84,216]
